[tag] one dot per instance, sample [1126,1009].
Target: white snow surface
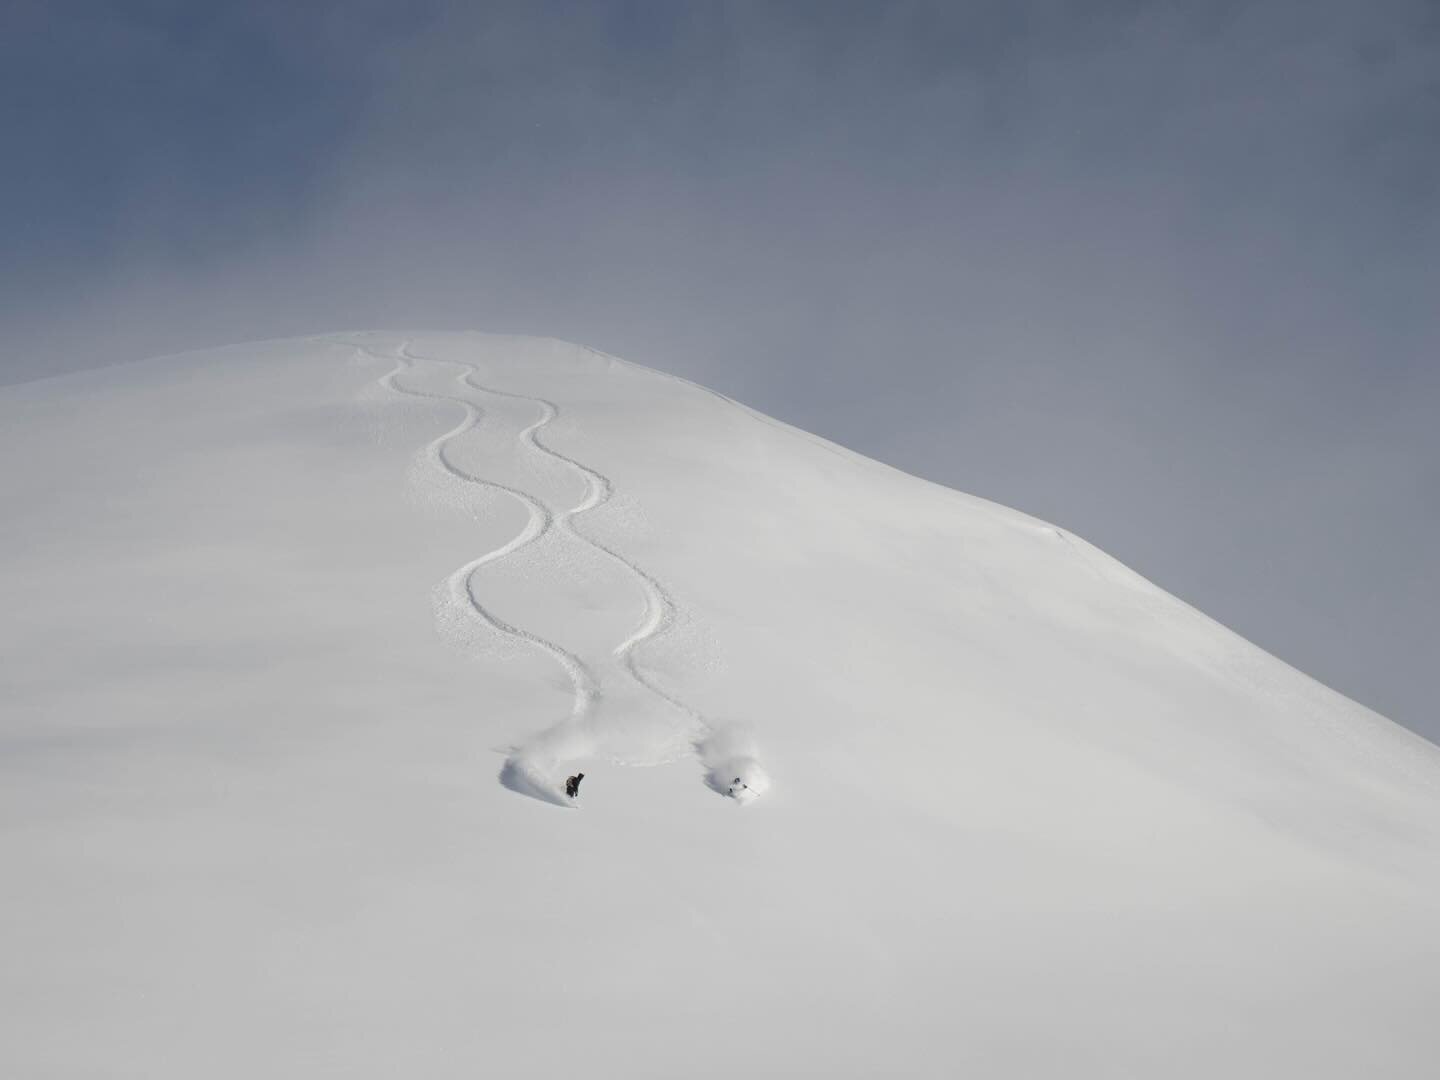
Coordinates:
[299,641]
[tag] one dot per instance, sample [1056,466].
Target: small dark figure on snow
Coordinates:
[572,785]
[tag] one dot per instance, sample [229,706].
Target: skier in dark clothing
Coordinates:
[572,785]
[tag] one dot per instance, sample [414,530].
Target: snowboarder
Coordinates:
[572,785]
[738,786]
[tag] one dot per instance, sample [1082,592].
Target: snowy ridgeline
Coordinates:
[1032,817]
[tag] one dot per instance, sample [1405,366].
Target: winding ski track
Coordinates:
[661,610]
[459,584]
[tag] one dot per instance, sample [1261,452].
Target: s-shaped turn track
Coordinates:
[660,608]
[539,520]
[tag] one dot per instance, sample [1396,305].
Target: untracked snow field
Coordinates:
[300,640]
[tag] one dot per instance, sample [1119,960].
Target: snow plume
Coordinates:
[732,763]
[538,768]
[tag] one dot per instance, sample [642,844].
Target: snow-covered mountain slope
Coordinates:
[1027,815]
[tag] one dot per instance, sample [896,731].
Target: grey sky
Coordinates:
[1165,274]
